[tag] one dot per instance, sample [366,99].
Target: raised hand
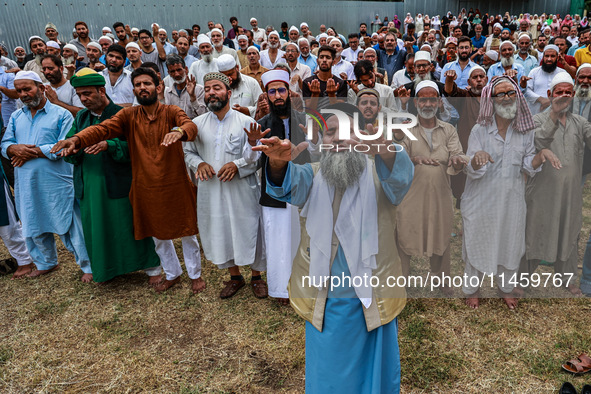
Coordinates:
[523,81]
[255,133]
[314,87]
[332,87]
[281,150]
[451,74]
[191,84]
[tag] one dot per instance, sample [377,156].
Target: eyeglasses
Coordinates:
[422,66]
[273,92]
[510,94]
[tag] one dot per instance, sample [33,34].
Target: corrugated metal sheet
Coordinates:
[20,19]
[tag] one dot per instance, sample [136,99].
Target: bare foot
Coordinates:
[37,273]
[509,300]
[473,302]
[167,284]
[574,290]
[283,301]
[154,281]
[197,285]
[23,270]
[86,278]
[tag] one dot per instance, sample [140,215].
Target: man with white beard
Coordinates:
[207,63]
[340,67]
[245,90]
[242,49]
[163,37]
[185,93]
[227,197]
[501,148]
[361,194]
[425,217]
[258,35]
[554,197]
[507,65]
[270,57]
[38,48]
[219,49]
[539,79]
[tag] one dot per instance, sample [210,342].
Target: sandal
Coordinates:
[578,366]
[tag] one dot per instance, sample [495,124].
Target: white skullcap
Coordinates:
[498,25]
[106,37]
[30,75]
[274,32]
[303,24]
[133,45]
[524,34]
[108,29]
[275,76]
[53,44]
[474,68]
[71,47]
[15,48]
[164,30]
[203,39]
[551,46]
[329,39]
[426,84]
[226,62]
[507,42]
[582,66]
[134,29]
[322,35]
[492,55]
[253,19]
[300,40]
[35,37]
[422,55]
[425,46]
[242,37]
[95,45]
[562,77]
[375,35]
[293,28]
[253,47]
[218,30]
[369,49]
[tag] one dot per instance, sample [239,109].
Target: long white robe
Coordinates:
[246,94]
[228,212]
[538,86]
[199,68]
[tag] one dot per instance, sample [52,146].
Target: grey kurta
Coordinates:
[554,197]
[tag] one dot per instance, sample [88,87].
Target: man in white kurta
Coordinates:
[540,78]
[245,90]
[207,63]
[501,148]
[228,193]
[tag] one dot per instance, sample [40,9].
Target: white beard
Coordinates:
[583,93]
[180,82]
[418,79]
[207,58]
[274,46]
[507,62]
[342,169]
[427,113]
[506,111]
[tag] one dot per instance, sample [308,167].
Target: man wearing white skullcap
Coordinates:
[44,191]
[38,49]
[305,29]
[539,79]
[219,49]
[241,51]
[94,53]
[163,37]
[134,55]
[106,30]
[507,65]
[254,68]
[299,71]
[245,90]
[258,35]
[270,57]
[53,48]
[554,197]
[305,56]
[440,149]
[70,59]
[523,56]
[493,40]
[294,34]
[207,63]
[228,211]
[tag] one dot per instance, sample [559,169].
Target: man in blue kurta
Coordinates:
[349,212]
[44,190]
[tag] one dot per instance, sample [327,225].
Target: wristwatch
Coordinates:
[179,130]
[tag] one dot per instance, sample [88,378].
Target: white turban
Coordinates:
[30,75]
[498,25]
[426,84]
[562,77]
[226,62]
[253,19]
[275,76]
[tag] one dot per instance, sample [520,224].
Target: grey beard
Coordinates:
[207,58]
[34,103]
[342,169]
[506,111]
[274,46]
[427,113]
[507,62]
[583,93]
[418,79]
[68,61]
[38,59]
[181,81]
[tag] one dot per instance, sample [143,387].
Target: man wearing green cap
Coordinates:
[102,180]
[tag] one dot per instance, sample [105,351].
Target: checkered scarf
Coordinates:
[523,121]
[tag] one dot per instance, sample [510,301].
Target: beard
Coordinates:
[38,59]
[274,46]
[549,68]
[342,169]
[476,91]
[583,93]
[115,69]
[427,113]
[151,99]
[35,101]
[507,62]
[236,81]
[54,79]
[215,104]
[68,61]
[281,110]
[418,79]
[463,56]
[207,58]
[180,81]
[506,111]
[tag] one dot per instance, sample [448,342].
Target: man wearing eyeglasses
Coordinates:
[299,71]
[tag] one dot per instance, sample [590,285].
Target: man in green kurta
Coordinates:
[102,180]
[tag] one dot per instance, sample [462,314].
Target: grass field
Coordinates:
[59,335]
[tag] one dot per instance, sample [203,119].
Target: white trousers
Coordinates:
[12,234]
[170,262]
[282,238]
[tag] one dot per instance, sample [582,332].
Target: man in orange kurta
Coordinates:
[162,196]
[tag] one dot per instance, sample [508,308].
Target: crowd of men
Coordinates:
[123,144]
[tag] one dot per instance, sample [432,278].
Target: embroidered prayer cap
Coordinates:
[203,39]
[217,77]
[87,77]
[422,55]
[50,26]
[366,91]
